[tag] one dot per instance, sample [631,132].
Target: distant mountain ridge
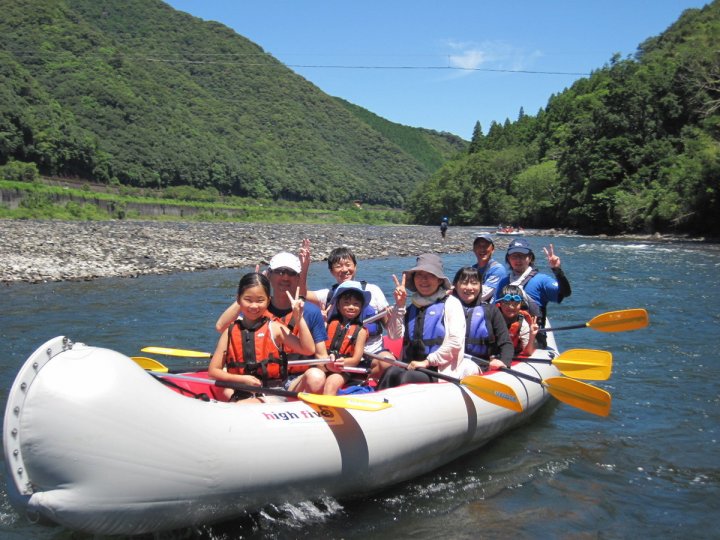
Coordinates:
[135,92]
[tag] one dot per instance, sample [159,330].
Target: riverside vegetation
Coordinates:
[134,94]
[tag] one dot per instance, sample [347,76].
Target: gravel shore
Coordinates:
[38,251]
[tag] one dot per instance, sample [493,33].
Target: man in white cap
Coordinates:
[491,272]
[284,275]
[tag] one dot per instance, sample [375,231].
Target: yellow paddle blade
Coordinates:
[579,394]
[343,402]
[493,391]
[620,321]
[149,363]
[175,352]
[587,364]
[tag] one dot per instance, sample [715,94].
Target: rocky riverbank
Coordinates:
[38,251]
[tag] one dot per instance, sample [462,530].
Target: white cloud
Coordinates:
[489,55]
[468,59]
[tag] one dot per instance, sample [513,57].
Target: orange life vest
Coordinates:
[342,337]
[287,352]
[252,351]
[514,329]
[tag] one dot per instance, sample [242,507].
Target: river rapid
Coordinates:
[650,469]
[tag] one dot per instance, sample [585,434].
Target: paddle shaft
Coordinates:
[229,384]
[428,372]
[556,328]
[507,369]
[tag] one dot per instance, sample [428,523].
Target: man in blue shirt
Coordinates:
[540,288]
[491,272]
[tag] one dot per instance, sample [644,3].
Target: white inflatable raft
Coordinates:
[96,444]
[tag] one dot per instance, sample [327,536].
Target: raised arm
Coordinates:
[564,289]
[396,320]
[228,317]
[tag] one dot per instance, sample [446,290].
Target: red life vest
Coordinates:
[342,337]
[514,329]
[252,351]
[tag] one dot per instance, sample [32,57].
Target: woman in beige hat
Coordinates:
[432,327]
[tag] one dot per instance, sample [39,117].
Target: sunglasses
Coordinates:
[510,298]
[285,272]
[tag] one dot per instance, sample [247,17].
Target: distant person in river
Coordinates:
[491,272]
[522,327]
[284,276]
[432,328]
[443,227]
[486,334]
[538,289]
[346,334]
[250,351]
[343,266]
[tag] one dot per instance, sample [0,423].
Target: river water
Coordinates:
[650,469]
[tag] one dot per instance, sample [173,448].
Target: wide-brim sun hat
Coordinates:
[351,285]
[427,262]
[285,260]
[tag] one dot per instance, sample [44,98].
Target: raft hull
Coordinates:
[94,443]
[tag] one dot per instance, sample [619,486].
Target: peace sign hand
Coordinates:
[553,260]
[297,304]
[400,292]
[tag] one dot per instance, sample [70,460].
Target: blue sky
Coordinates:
[411,50]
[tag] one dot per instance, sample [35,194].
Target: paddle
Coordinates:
[587,364]
[153,365]
[167,351]
[150,364]
[576,393]
[175,352]
[338,402]
[612,321]
[488,389]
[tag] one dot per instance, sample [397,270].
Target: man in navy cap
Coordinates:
[541,288]
[491,272]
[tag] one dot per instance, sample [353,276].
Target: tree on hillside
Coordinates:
[477,139]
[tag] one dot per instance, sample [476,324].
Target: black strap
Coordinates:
[202,396]
[340,333]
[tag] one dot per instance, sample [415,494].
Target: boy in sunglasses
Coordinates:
[522,326]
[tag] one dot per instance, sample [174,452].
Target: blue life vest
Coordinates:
[424,330]
[477,335]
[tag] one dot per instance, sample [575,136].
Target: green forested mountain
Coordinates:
[134,92]
[635,147]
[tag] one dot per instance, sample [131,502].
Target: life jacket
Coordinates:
[424,330]
[252,351]
[478,333]
[342,337]
[515,327]
[287,352]
[373,328]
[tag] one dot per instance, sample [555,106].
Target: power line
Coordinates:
[242,63]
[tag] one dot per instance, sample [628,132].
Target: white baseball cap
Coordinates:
[285,260]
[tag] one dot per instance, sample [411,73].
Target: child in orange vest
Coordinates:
[259,363]
[522,327]
[346,335]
